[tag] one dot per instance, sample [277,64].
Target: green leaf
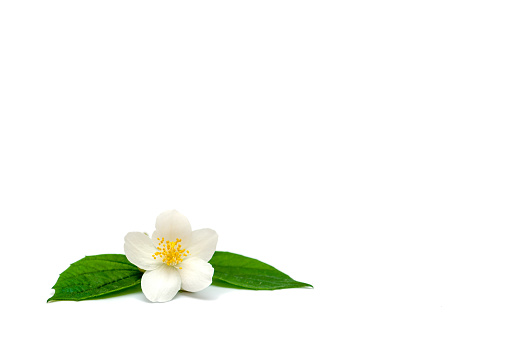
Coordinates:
[99,275]
[249,273]
[95,276]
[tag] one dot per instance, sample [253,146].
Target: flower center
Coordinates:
[170,252]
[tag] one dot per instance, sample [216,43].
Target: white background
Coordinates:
[360,146]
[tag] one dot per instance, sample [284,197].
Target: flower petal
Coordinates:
[171,225]
[196,274]
[203,244]
[162,284]
[139,250]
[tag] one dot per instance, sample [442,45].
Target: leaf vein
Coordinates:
[97,286]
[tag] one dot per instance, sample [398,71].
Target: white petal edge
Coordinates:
[162,284]
[172,224]
[203,244]
[196,274]
[139,250]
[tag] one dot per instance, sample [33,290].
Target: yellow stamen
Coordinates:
[170,252]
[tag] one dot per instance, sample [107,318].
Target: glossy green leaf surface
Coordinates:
[95,276]
[249,273]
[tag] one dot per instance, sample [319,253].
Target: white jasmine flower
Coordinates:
[175,258]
